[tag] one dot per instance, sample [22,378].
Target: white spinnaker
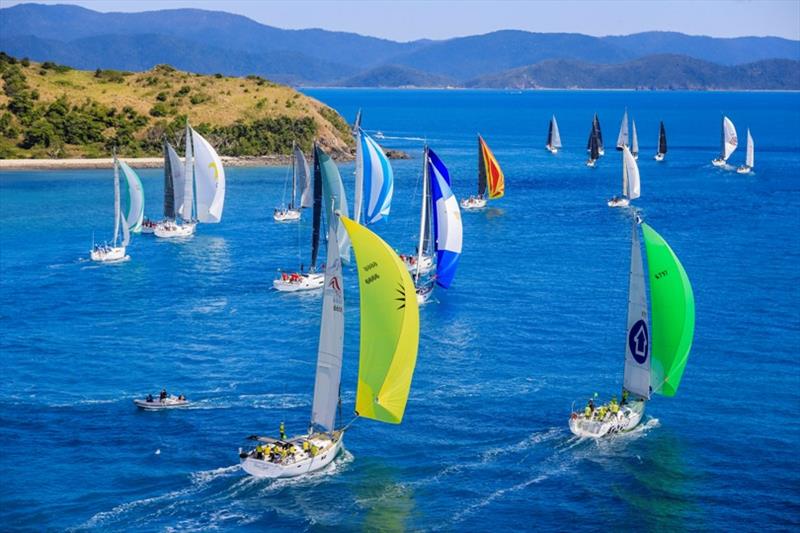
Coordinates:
[359,191]
[637,366]
[303,178]
[555,141]
[449,230]
[622,138]
[331,340]
[750,160]
[729,139]
[188,178]
[176,168]
[135,215]
[209,176]
[631,186]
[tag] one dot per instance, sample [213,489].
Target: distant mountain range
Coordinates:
[213,41]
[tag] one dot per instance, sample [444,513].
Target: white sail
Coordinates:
[555,140]
[637,345]
[750,160]
[359,192]
[631,186]
[209,177]
[729,140]
[135,215]
[188,177]
[126,233]
[331,340]
[177,171]
[622,138]
[303,177]
[634,139]
[117,210]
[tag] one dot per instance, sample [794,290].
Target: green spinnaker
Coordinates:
[334,200]
[672,313]
[389,327]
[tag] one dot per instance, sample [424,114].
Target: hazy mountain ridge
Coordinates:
[215,41]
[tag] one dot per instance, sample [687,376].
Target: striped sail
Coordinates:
[490,175]
[374,174]
[209,176]
[447,225]
[135,196]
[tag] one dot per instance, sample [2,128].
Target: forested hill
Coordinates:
[53,111]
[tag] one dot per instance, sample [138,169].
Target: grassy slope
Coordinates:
[227,99]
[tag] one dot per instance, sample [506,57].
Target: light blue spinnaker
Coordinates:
[375,174]
[447,226]
[135,214]
[335,200]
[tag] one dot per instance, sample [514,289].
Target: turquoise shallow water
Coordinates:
[534,320]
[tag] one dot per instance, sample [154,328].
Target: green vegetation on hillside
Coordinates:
[53,111]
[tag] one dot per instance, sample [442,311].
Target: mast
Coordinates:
[294,178]
[481,168]
[188,177]
[423,230]
[359,193]
[317,215]
[116,197]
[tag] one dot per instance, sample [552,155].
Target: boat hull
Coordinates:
[425,264]
[719,162]
[551,149]
[302,463]
[307,282]
[159,405]
[628,418]
[170,230]
[619,202]
[425,293]
[109,255]
[744,170]
[286,215]
[591,163]
[659,157]
[473,204]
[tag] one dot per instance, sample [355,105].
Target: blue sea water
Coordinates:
[534,321]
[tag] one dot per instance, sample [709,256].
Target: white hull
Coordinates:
[147,229]
[719,162]
[744,169]
[158,405]
[171,230]
[473,204]
[591,163]
[551,149]
[425,293]
[286,215]
[298,464]
[109,255]
[626,419]
[425,264]
[619,202]
[304,282]
[659,157]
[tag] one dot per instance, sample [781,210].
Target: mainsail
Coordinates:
[672,302]
[599,132]
[188,178]
[303,176]
[331,342]
[622,138]
[374,180]
[553,137]
[446,221]
[173,174]
[135,196]
[634,140]
[637,346]
[389,327]
[631,187]
[490,175]
[594,144]
[729,140]
[750,159]
[662,139]
[317,213]
[209,176]
[334,199]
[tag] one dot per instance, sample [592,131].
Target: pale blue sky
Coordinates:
[405,20]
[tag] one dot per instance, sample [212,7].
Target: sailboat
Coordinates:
[728,141]
[659,338]
[328,191]
[203,197]
[622,138]
[173,188]
[599,133]
[553,137]
[490,177]
[662,143]
[301,175]
[749,161]
[422,262]
[444,224]
[115,251]
[634,140]
[374,181]
[594,147]
[631,186]
[387,357]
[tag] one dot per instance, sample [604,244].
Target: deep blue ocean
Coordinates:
[534,321]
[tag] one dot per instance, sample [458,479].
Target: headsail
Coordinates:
[634,140]
[672,304]
[631,186]
[331,342]
[637,345]
[446,221]
[334,199]
[750,158]
[135,214]
[377,179]
[176,179]
[622,138]
[729,140]
[389,327]
[303,177]
[209,178]
[553,136]
[599,132]
[490,175]
[662,139]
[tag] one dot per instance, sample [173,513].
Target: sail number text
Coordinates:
[661,274]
